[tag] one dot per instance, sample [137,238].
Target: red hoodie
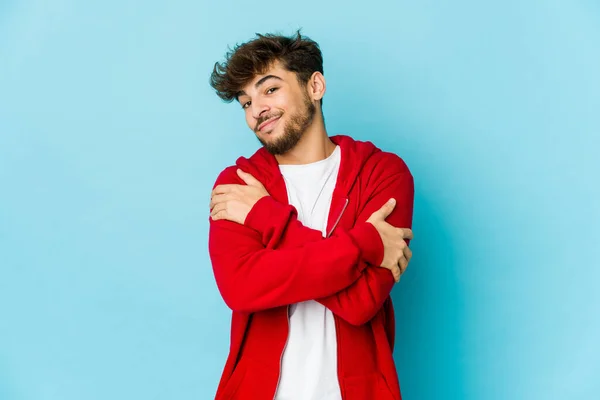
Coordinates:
[272,260]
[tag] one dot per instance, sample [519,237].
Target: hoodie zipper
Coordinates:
[338,218]
[287,315]
[335,318]
[288,311]
[339,354]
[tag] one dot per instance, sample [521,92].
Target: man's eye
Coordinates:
[246,104]
[271,90]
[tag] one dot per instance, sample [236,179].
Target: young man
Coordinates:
[307,238]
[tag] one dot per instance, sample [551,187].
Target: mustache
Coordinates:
[266,118]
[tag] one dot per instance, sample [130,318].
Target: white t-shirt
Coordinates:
[309,361]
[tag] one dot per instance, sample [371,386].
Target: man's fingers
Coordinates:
[219,207]
[403,263]
[220,215]
[222,189]
[396,273]
[218,198]
[407,253]
[248,178]
[406,233]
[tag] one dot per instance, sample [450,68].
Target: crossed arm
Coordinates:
[272,259]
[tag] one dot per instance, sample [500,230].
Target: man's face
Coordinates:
[277,109]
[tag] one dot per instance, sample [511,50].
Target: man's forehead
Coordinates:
[274,68]
[276,71]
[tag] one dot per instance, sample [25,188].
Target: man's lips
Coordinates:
[267,123]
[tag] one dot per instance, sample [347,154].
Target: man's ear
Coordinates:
[316,86]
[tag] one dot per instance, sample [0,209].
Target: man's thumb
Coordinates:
[387,208]
[246,177]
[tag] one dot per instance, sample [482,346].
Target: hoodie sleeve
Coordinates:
[360,301]
[252,274]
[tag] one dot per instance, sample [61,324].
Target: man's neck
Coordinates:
[314,146]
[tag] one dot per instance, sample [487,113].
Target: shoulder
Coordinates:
[373,158]
[228,176]
[391,162]
[383,165]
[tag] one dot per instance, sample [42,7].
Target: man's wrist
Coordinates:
[259,215]
[368,240]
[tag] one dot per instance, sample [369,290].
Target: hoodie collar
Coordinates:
[264,166]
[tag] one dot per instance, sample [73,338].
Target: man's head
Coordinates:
[278,81]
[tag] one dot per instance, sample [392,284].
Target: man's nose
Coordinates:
[259,109]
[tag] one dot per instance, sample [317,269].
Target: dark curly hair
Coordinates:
[297,54]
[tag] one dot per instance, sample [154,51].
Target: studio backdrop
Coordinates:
[111,139]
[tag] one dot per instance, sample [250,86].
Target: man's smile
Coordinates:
[268,124]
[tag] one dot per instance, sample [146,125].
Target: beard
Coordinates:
[293,130]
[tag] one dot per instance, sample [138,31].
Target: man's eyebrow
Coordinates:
[257,84]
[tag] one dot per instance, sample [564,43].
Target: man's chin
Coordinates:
[278,142]
[272,146]
[268,137]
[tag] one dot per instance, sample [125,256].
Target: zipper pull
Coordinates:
[346,201]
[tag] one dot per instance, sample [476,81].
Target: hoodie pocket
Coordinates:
[234,381]
[250,380]
[370,386]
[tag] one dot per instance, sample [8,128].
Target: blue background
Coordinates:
[111,138]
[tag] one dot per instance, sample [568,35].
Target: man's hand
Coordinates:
[234,202]
[396,251]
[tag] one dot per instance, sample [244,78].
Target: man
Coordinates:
[307,238]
